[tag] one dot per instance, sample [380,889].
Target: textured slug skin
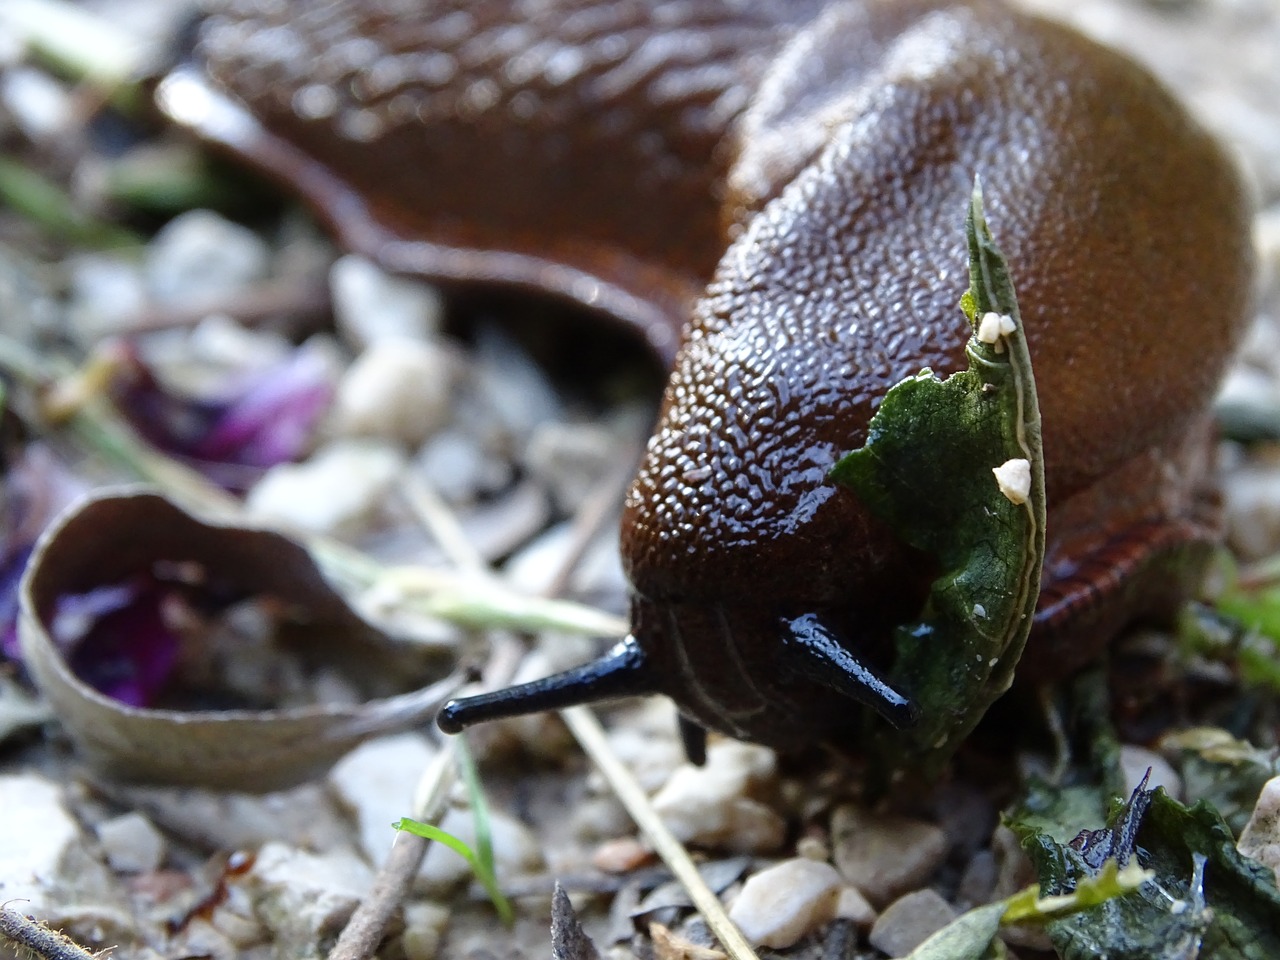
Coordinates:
[790,178]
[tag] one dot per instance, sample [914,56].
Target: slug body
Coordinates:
[785,183]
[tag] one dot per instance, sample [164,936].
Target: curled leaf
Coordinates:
[99,597]
[956,467]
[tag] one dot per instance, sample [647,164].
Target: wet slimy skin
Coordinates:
[784,183]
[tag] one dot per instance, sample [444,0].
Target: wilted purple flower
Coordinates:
[118,639]
[256,421]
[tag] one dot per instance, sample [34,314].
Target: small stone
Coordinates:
[884,856]
[457,467]
[645,739]
[783,903]
[304,816]
[978,881]
[1260,838]
[131,843]
[515,849]
[1136,761]
[41,106]
[47,870]
[424,927]
[36,832]
[397,390]
[853,906]
[1252,499]
[305,898]
[569,459]
[715,805]
[200,256]
[370,305]
[668,945]
[811,848]
[909,921]
[597,578]
[106,292]
[336,492]
[377,781]
[598,818]
[621,855]
[510,387]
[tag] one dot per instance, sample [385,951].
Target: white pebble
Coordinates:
[715,805]
[783,903]
[910,921]
[509,387]
[376,781]
[885,855]
[200,256]
[305,898]
[106,292]
[424,927]
[41,106]
[1260,838]
[336,492]
[1252,495]
[131,843]
[397,390]
[853,906]
[460,469]
[569,459]
[36,833]
[371,305]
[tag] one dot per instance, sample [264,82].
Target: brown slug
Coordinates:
[784,180]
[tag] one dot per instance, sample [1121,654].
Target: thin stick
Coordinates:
[365,930]
[434,515]
[590,734]
[39,939]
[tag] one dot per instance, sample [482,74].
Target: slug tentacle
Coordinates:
[622,672]
[693,737]
[821,657]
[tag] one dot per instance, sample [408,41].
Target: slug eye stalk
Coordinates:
[622,672]
[822,658]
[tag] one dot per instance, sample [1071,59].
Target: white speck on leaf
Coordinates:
[1014,479]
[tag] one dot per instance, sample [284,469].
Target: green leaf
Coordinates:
[484,835]
[971,936]
[927,469]
[968,937]
[481,863]
[36,197]
[1203,895]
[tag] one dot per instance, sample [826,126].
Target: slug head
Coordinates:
[764,595]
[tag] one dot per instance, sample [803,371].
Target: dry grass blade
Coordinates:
[590,734]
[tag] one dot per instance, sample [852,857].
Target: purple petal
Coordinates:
[255,421]
[272,420]
[120,643]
